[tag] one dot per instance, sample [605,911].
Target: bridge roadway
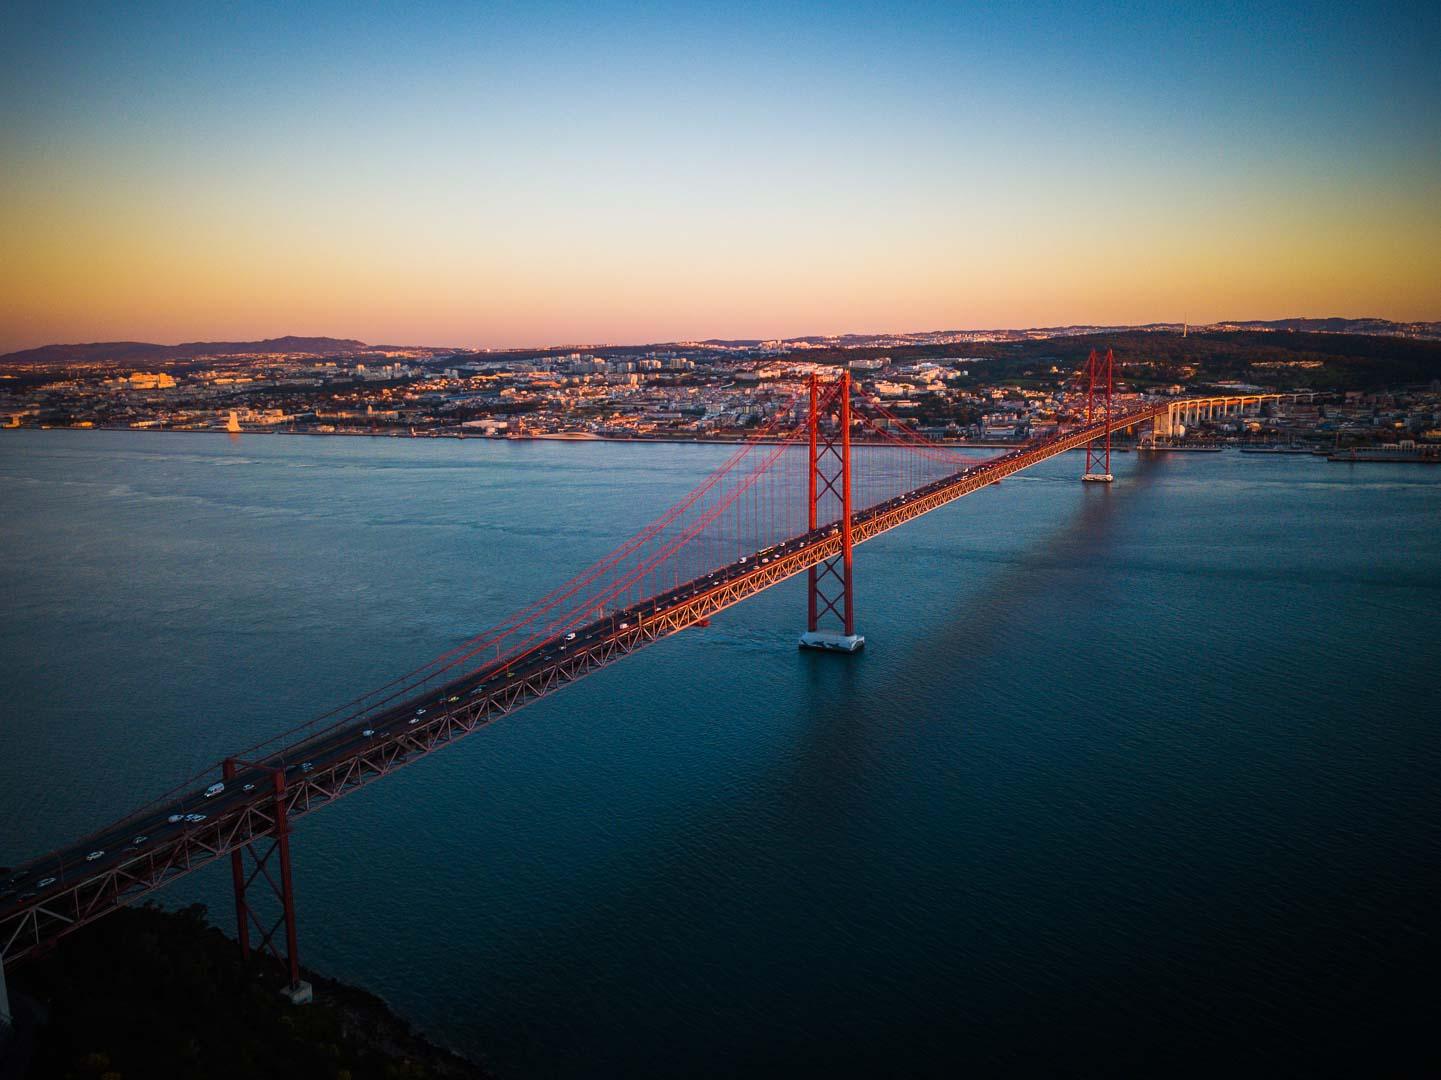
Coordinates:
[60,892]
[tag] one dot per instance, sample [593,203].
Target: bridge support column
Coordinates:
[1163,425]
[829,593]
[6,1017]
[1099,383]
[277,875]
[237,880]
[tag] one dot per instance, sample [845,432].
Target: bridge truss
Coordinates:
[797,498]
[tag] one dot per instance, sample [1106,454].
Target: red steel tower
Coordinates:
[829,586]
[1098,407]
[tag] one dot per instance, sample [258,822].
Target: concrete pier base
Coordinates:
[1098,478]
[831,642]
[299,994]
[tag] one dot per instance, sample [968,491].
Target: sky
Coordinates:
[497,175]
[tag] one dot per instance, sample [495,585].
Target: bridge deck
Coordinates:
[56,894]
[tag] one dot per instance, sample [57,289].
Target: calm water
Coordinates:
[1122,774]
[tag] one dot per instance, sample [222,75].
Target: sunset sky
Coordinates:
[532,173]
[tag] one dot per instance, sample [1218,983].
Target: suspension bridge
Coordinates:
[829,472]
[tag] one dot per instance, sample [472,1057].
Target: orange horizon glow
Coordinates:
[633,180]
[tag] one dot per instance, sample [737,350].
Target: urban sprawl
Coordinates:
[683,393]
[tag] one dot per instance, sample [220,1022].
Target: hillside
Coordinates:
[1321,361]
[151,993]
[144,352]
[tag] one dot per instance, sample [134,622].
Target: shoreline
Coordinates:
[955,444]
[1363,454]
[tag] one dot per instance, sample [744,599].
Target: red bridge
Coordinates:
[826,474]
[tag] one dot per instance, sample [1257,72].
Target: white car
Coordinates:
[419,712]
[45,883]
[194,817]
[173,818]
[570,636]
[95,855]
[139,840]
[248,787]
[214,790]
[414,720]
[368,732]
[625,626]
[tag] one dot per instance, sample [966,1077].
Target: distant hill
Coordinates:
[1149,359]
[1382,327]
[135,353]
[144,352]
[1371,327]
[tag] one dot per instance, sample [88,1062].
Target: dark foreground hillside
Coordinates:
[148,993]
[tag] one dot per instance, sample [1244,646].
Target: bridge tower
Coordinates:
[829,584]
[1098,407]
[298,990]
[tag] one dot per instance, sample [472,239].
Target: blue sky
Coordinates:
[505,174]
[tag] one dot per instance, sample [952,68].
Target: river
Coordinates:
[1123,773]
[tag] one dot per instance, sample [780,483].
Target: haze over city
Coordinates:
[545,173]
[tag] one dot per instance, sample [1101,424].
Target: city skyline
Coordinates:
[568,174]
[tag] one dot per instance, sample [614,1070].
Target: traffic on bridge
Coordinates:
[747,513]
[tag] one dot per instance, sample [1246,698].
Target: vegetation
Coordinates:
[149,993]
[1149,358]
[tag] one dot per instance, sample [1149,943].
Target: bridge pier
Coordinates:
[830,473]
[828,641]
[298,991]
